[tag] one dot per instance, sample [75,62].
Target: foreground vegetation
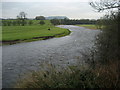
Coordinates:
[15,34]
[102,76]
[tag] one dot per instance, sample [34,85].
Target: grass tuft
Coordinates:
[102,76]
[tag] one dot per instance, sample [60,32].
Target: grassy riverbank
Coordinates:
[89,26]
[17,34]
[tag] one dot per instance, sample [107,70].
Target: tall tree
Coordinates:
[22,18]
[109,40]
[40,18]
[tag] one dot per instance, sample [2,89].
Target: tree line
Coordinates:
[16,22]
[20,23]
[22,20]
[72,22]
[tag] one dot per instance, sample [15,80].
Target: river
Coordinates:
[20,58]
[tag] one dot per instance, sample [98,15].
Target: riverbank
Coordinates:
[35,32]
[10,42]
[89,26]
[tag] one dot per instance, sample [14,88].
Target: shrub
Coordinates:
[103,76]
[42,22]
[108,40]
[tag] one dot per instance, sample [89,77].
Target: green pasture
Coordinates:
[90,26]
[28,32]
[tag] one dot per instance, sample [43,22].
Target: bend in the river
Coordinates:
[24,57]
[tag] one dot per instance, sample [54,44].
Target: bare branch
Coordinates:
[105,4]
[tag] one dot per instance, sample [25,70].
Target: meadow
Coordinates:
[31,32]
[90,26]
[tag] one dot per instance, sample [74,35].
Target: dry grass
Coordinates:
[103,76]
[50,77]
[108,75]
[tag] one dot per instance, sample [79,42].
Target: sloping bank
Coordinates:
[46,34]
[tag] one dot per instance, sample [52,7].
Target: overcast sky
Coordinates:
[74,9]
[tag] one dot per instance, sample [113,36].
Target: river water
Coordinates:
[20,58]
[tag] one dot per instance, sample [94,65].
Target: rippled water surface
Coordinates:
[24,57]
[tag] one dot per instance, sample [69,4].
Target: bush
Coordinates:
[30,22]
[108,40]
[55,21]
[42,22]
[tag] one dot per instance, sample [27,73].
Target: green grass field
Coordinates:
[11,33]
[90,26]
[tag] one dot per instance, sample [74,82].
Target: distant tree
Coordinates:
[55,21]
[4,23]
[22,18]
[40,18]
[18,22]
[42,22]
[9,23]
[14,23]
[30,22]
[0,23]
[76,21]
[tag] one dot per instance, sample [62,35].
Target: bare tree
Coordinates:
[102,5]
[110,30]
[22,17]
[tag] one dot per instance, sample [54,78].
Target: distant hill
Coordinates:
[56,17]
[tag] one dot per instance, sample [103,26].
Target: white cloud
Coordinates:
[69,9]
[44,0]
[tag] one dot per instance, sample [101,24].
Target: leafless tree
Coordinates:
[110,30]
[22,17]
[101,5]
